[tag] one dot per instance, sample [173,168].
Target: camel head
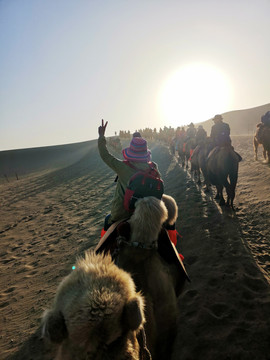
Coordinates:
[96,314]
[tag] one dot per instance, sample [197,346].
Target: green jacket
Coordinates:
[124,173]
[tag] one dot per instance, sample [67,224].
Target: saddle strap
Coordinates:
[144,352]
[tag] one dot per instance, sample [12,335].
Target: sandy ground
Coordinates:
[50,217]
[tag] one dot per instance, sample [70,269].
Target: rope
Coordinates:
[144,352]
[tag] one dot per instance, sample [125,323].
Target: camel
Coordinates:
[222,171]
[199,161]
[262,136]
[138,250]
[97,313]
[180,150]
[189,146]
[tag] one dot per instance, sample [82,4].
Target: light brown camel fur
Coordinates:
[153,276]
[172,209]
[262,136]
[97,313]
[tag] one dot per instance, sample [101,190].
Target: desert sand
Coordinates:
[51,216]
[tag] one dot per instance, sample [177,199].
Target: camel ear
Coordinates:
[133,314]
[54,326]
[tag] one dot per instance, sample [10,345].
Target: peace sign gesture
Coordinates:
[102,128]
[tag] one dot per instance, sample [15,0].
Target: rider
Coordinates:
[138,155]
[201,135]
[264,124]
[180,136]
[220,135]
[265,119]
[220,132]
[190,137]
[180,132]
[191,132]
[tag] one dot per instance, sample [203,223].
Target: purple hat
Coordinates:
[137,150]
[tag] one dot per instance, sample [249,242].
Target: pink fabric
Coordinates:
[137,151]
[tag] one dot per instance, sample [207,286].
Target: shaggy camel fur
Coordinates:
[96,314]
[152,274]
[172,209]
[147,220]
[262,137]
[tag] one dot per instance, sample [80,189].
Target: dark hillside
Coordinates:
[26,161]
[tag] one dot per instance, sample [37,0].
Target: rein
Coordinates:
[144,351]
[121,240]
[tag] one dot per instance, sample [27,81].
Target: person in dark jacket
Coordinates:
[265,119]
[201,135]
[220,132]
[191,131]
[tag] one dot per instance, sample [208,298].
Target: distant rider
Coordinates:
[264,124]
[220,132]
[201,135]
[191,132]
[220,135]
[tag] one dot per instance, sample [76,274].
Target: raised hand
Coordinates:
[102,128]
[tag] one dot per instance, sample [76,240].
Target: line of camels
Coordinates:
[121,300]
[221,168]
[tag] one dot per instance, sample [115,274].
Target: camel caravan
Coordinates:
[121,300]
[214,157]
[211,156]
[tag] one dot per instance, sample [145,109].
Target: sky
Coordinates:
[65,65]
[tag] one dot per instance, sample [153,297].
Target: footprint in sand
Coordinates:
[4,304]
[10,290]
[253,284]
[191,294]
[192,260]
[219,310]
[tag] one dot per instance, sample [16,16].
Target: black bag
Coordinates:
[143,183]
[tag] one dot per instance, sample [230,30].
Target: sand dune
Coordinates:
[49,217]
[20,163]
[242,122]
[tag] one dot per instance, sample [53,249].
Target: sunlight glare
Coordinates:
[194,93]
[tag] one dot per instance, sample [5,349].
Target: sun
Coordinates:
[194,93]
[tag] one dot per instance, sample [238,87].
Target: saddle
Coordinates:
[121,230]
[216,149]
